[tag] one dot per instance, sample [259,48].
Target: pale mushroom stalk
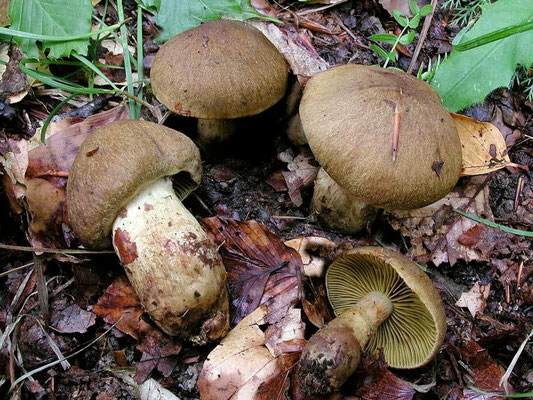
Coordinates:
[155,232]
[335,209]
[215,130]
[382,301]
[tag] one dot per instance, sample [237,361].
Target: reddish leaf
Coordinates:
[120,305]
[275,388]
[315,305]
[261,268]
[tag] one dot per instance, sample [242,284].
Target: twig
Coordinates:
[53,251]
[16,269]
[422,37]
[349,32]
[313,10]
[519,188]
[42,291]
[396,128]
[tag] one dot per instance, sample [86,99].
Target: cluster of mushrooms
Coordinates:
[383,140]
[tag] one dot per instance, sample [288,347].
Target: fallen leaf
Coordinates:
[241,366]
[261,269]
[396,5]
[314,265]
[296,47]
[435,230]
[120,305]
[301,174]
[475,299]
[4,17]
[72,319]
[315,304]
[484,373]
[378,383]
[287,335]
[483,145]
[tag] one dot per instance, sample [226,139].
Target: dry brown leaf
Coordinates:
[399,5]
[301,174]
[296,47]
[261,268]
[484,148]
[120,305]
[475,299]
[242,366]
[72,319]
[314,265]
[287,335]
[435,230]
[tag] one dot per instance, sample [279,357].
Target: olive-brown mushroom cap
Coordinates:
[219,70]
[114,163]
[348,114]
[412,334]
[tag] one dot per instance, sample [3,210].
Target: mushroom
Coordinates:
[120,187]
[216,72]
[381,300]
[353,116]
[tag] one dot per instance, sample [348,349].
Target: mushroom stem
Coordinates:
[335,210]
[172,264]
[331,356]
[212,131]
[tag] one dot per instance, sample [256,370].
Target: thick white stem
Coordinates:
[172,264]
[212,131]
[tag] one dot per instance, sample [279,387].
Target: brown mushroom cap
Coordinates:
[114,163]
[347,115]
[220,70]
[412,334]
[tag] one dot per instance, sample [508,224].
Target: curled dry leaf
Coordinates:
[484,148]
[296,47]
[435,230]
[120,305]
[261,268]
[314,265]
[301,174]
[475,299]
[242,367]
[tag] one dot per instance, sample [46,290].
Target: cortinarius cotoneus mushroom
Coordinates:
[120,184]
[382,300]
[354,116]
[216,72]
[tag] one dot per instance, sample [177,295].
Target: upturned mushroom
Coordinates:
[121,187]
[216,72]
[381,300]
[384,140]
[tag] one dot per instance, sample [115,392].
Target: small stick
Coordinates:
[54,251]
[396,129]
[422,37]
[519,188]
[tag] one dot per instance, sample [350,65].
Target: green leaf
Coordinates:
[494,224]
[382,53]
[400,18]
[407,38]
[64,18]
[177,16]
[150,5]
[384,38]
[426,10]
[413,7]
[466,78]
[414,22]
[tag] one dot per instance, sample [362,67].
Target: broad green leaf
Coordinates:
[52,18]
[426,10]
[407,38]
[414,22]
[382,53]
[384,38]
[177,16]
[413,7]
[466,78]
[400,18]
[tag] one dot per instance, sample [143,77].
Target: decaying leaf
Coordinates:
[72,319]
[241,366]
[378,383]
[440,235]
[261,268]
[399,5]
[296,47]
[301,174]
[120,305]
[287,335]
[315,305]
[314,265]
[475,299]
[484,148]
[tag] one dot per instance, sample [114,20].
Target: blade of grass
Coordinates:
[496,35]
[48,38]
[504,396]
[494,224]
[52,114]
[140,55]
[127,62]
[93,68]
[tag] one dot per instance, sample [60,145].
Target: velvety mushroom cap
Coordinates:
[114,163]
[413,333]
[219,70]
[348,116]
